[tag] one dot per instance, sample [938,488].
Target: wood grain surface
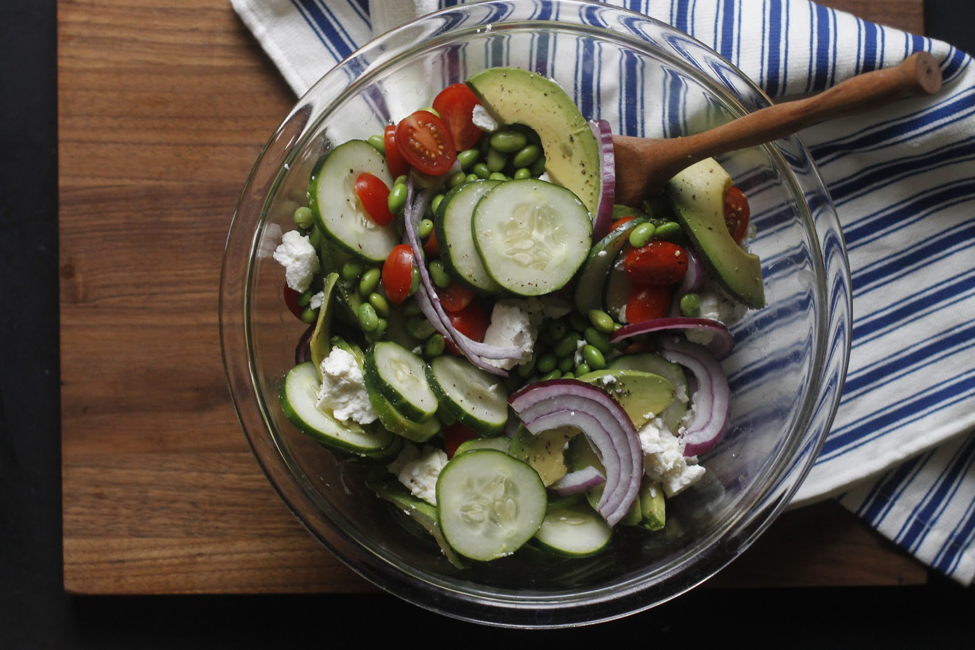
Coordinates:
[163,107]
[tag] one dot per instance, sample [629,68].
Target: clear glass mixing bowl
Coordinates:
[786,372]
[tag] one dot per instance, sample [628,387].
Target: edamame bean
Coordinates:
[578,322]
[467,158]
[508,141]
[526,155]
[470,178]
[414,280]
[667,230]
[522,174]
[601,321]
[397,199]
[315,237]
[439,274]
[456,179]
[368,318]
[556,330]
[352,270]
[379,303]
[526,368]
[597,339]
[400,180]
[582,369]
[594,357]
[567,375]
[434,347]
[496,160]
[309,315]
[369,281]
[424,228]
[538,167]
[690,305]
[304,298]
[546,363]
[435,203]
[378,143]
[641,235]
[304,218]
[419,327]
[567,346]
[566,364]
[497,176]
[555,374]
[377,333]
[481,170]
[411,308]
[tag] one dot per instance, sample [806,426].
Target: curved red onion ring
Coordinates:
[692,282]
[302,349]
[569,402]
[712,400]
[603,219]
[578,481]
[721,344]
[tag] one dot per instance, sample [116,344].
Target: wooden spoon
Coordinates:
[644,165]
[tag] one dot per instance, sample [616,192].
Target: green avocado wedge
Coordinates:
[642,395]
[697,195]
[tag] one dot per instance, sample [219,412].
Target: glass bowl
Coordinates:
[786,372]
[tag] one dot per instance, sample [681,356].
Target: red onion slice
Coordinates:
[712,400]
[302,349]
[578,481]
[603,219]
[568,402]
[691,283]
[721,344]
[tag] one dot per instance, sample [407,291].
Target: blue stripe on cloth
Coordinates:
[774,48]
[820,75]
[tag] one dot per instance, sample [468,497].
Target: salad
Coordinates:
[525,363]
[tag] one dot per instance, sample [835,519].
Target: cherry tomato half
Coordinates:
[425,143]
[398,273]
[736,212]
[619,222]
[647,302]
[472,321]
[658,263]
[454,435]
[394,159]
[375,198]
[455,297]
[291,300]
[456,105]
[430,246]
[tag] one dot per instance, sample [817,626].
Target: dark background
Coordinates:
[35,612]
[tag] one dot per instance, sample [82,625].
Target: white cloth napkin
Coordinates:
[901,453]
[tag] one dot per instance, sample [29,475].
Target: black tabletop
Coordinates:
[36,613]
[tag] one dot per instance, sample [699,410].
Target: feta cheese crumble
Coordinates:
[483,120]
[343,390]
[419,471]
[514,323]
[664,459]
[299,259]
[717,305]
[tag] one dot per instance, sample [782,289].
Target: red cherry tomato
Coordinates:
[471,321]
[456,105]
[455,297]
[647,302]
[454,435]
[657,263]
[619,222]
[394,159]
[291,300]
[375,198]
[736,212]
[425,143]
[431,247]
[398,273]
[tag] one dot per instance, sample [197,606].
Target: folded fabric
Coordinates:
[901,452]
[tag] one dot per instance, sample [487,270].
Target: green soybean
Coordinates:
[397,199]
[526,367]
[379,303]
[467,158]
[309,315]
[601,320]
[497,176]
[424,228]
[509,141]
[526,155]
[481,170]
[593,357]
[368,318]
[690,305]
[667,230]
[315,237]
[369,281]
[435,203]
[556,330]
[377,333]
[522,174]
[555,374]
[434,347]
[439,274]
[456,179]
[419,327]
[352,270]
[304,217]
[538,167]
[567,346]
[566,364]
[378,143]
[304,298]
[546,363]
[582,369]
[400,180]
[578,322]
[412,308]
[641,235]
[597,339]
[414,280]
[568,375]
[496,161]
[470,178]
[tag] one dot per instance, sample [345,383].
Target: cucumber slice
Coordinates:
[470,395]
[299,393]
[453,227]
[395,422]
[531,235]
[574,531]
[399,376]
[489,504]
[592,278]
[500,444]
[337,210]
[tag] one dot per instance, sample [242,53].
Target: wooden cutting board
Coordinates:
[163,107]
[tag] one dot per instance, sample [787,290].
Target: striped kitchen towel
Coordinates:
[901,453]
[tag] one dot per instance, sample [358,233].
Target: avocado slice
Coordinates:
[320,343]
[639,393]
[516,96]
[544,451]
[653,508]
[697,194]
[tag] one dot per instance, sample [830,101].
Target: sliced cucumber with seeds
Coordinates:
[531,235]
[400,376]
[470,395]
[453,227]
[394,421]
[489,504]
[299,394]
[500,444]
[574,531]
[337,210]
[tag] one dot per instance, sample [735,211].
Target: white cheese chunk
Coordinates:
[299,259]
[514,323]
[664,459]
[717,305]
[418,471]
[483,120]
[343,390]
